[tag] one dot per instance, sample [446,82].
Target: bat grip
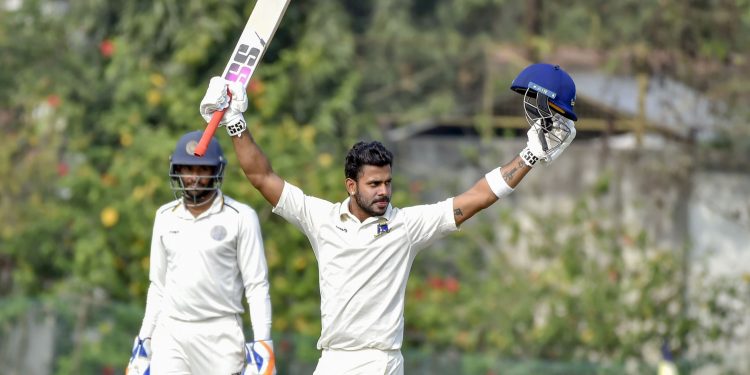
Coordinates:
[200,150]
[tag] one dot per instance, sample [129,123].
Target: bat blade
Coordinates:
[247,54]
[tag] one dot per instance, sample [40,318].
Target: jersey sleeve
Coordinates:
[429,222]
[254,271]
[302,210]
[157,277]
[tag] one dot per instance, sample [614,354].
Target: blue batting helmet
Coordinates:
[551,81]
[183,154]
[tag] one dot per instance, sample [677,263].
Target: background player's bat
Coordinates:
[259,30]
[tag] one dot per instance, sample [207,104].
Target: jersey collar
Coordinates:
[216,206]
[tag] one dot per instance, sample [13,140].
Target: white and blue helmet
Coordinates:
[183,154]
[549,98]
[553,83]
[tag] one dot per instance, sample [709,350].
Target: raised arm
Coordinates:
[257,168]
[502,181]
[253,162]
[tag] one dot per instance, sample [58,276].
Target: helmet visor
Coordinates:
[195,189]
[540,116]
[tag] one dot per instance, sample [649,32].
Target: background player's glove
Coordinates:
[558,137]
[259,358]
[140,357]
[216,98]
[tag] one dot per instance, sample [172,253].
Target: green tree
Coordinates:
[93,94]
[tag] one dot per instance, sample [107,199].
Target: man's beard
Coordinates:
[198,197]
[368,208]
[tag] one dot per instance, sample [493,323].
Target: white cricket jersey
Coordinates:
[363,266]
[200,266]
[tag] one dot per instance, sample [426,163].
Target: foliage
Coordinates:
[586,289]
[91,108]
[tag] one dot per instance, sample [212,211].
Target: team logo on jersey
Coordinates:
[382,227]
[218,233]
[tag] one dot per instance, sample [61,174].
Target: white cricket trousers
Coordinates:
[207,347]
[360,362]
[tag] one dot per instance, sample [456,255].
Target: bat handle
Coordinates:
[200,150]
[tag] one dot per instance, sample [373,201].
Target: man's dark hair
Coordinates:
[366,153]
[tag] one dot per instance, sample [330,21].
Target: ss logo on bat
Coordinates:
[244,61]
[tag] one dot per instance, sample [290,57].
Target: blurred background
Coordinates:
[630,251]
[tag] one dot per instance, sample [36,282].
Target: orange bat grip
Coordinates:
[200,150]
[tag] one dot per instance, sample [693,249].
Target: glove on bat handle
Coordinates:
[200,150]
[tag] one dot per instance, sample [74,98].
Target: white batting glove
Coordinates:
[140,357]
[216,98]
[557,135]
[259,358]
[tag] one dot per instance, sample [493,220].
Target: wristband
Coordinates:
[528,157]
[236,129]
[497,183]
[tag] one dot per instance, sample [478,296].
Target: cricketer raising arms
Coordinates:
[364,246]
[206,251]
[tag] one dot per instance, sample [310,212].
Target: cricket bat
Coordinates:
[260,27]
